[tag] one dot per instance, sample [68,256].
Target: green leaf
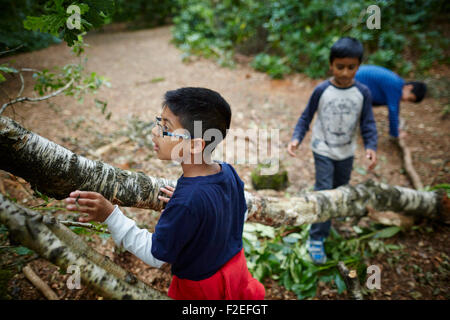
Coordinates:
[105,235]
[387,232]
[290,239]
[293,271]
[155,80]
[22,251]
[7,69]
[339,283]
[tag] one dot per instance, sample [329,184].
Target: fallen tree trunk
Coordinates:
[56,171]
[59,245]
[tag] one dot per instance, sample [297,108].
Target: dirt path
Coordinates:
[143,65]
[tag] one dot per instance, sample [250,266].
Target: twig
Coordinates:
[22,99]
[407,162]
[11,50]
[22,85]
[351,280]
[82,225]
[30,70]
[39,284]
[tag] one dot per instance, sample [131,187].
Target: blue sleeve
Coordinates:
[393,88]
[305,119]
[393,101]
[367,122]
[175,228]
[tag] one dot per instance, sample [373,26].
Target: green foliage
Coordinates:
[49,81]
[145,13]
[5,68]
[13,34]
[93,14]
[442,186]
[295,36]
[273,65]
[282,255]
[98,229]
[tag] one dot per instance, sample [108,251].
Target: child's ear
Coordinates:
[197,145]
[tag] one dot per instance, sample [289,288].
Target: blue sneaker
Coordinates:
[316,251]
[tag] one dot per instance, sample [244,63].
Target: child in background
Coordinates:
[341,104]
[388,88]
[200,231]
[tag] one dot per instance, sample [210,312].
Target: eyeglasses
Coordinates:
[163,130]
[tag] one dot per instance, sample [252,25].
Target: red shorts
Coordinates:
[231,282]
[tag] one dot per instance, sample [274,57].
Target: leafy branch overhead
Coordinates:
[71,79]
[92,15]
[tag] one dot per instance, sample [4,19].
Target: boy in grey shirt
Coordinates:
[341,104]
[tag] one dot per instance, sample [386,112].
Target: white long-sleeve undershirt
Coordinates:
[126,233]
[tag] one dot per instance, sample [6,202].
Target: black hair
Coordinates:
[347,47]
[419,89]
[199,104]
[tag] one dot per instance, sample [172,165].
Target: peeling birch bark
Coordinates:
[347,201]
[59,245]
[56,171]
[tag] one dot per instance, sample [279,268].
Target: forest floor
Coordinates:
[141,66]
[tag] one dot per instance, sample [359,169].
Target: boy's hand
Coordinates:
[372,156]
[167,190]
[92,203]
[292,146]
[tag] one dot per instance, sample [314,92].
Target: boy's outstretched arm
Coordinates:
[123,230]
[304,121]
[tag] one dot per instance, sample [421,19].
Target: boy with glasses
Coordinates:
[200,231]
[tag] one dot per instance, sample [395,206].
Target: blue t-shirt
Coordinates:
[386,88]
[201,226]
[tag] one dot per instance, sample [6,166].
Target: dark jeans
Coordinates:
[330,174]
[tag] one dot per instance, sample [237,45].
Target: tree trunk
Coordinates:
[59,245]
[56,171]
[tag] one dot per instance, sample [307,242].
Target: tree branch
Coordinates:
[409,167]
[11,50]
[23,99]
[351,281]
[59,245]
[56,171]
[38,283]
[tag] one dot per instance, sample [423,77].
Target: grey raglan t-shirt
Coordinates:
[339,112]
